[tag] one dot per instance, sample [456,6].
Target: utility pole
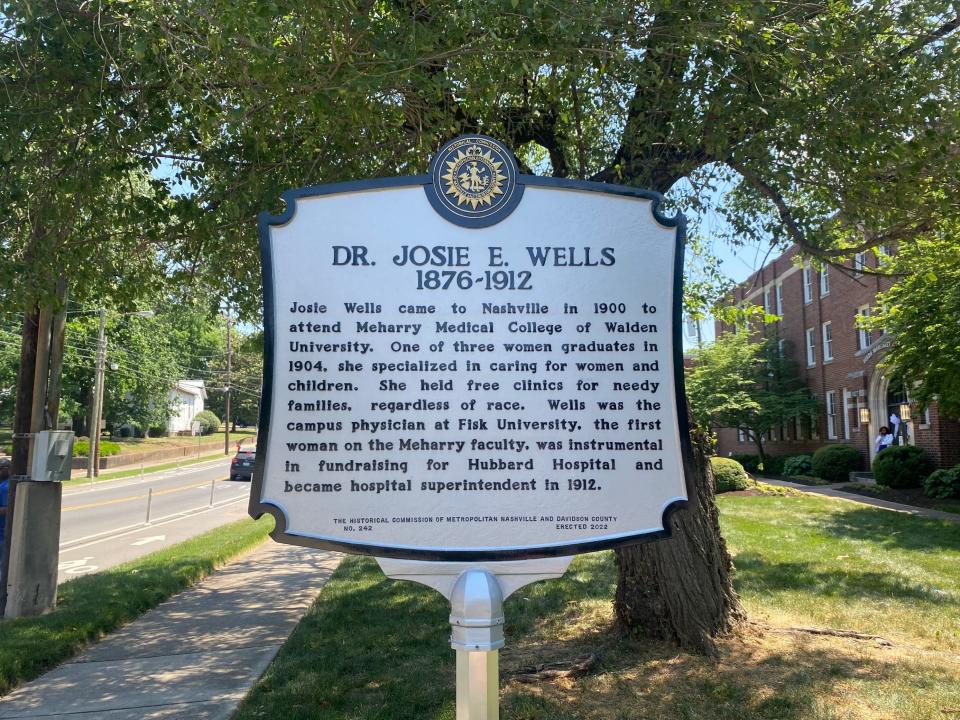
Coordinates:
[226,427]
[96,411]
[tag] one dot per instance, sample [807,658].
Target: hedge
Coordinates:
[728,474]
[834,463]
[902,466]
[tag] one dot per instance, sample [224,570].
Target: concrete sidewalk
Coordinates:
[196,655]
[837,492]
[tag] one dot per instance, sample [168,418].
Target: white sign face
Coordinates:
[436,391]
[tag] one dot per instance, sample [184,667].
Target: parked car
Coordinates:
[241,467]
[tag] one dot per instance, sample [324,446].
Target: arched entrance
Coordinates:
[889,404]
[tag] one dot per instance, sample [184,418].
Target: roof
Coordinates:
[191,387]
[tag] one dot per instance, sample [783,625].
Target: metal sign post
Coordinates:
[476,592]
[472,375]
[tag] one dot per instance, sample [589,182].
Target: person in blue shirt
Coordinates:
[4,492]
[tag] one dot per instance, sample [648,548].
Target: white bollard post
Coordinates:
[149,503]
[476,620]
[212,486]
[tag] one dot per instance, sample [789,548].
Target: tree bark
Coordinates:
[680,589]
[758,441]
[21,429]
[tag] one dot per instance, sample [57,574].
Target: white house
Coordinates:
[187,398]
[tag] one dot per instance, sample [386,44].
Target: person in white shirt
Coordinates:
[884,439]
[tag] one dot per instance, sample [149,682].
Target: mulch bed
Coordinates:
[906,496]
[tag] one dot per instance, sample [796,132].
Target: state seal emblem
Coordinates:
[474,181]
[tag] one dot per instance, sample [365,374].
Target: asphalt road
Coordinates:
[106,523]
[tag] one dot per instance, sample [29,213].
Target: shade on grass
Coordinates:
[378,649]
[840,564]
[92,605]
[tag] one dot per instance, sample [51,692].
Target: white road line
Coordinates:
[130,529]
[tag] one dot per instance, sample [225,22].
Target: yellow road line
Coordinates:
[134,497]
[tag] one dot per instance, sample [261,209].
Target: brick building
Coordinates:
[839,362]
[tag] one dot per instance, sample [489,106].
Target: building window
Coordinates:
[779,294]
[772,435]
[827,341]
[807,284]
[824,280]
[859,263]
[767,308]
[798,428]
[863,335]
[811,348]
[831,415]
[815,427]
[784,431]
[741,436]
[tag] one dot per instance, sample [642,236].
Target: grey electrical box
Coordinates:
[52,456]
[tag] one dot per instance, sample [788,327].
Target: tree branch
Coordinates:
[931,37]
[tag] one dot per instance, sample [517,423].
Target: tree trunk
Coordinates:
[758,441]
[21,429]
[680,589]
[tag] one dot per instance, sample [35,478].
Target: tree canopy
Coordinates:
[833,125]
[921,314]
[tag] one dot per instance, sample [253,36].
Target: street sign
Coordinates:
[472,364]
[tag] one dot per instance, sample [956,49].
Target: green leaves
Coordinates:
[921,314]
[746,382]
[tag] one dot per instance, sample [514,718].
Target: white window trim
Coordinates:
[824,281]
[807,284]
[863,335]
[827,342]
[811,348]
[831,402]
[778,293]
[859,263]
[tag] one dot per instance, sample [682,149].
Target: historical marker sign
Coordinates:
[473,364]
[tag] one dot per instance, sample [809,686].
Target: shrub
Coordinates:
[750,463]
[209,423]
[902,466]
[728,474]
[834,463]
[773,465]
[943,484]
[81,448]
[798,465]
[157,431]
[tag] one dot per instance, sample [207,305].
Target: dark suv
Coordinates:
[241,467]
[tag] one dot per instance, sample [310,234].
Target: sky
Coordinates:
[738,263]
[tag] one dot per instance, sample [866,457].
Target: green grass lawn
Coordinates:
[130,445]
[135,470]
[92,605]
[375,648]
